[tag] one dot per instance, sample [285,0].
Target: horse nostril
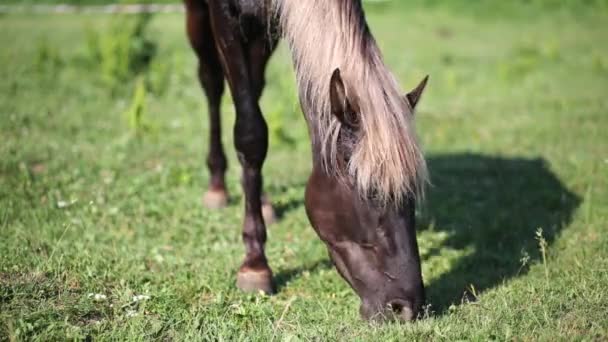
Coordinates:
[402,309]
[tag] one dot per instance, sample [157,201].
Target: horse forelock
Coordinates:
[323,35]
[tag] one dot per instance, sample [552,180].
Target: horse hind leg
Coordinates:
[211,78]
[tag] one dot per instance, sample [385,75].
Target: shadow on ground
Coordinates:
[284,207]
[493,206]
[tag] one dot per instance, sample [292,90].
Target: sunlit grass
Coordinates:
[102,233]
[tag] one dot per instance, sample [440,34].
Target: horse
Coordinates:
[368,167]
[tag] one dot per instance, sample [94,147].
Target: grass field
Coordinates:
[102,234]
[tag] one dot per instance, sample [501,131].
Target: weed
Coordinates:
[47,56]
[136,113]
[124,50]
[542,247]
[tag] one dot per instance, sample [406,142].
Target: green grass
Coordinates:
[514,124]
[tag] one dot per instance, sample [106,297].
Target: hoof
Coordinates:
[255,281]
[268,211]
[215,199]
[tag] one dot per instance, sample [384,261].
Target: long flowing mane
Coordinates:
[327,34]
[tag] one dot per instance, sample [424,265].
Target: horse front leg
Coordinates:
[251,143]
[259,50]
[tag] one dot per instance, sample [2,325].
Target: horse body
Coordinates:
[367,166]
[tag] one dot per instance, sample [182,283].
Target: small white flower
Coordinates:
[139,298]
[131,313]
[98,296]
[176,124]
[61,204]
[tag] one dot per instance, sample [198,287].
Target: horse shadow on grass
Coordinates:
[491,207]
[284,207]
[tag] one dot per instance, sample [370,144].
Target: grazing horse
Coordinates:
[368,168]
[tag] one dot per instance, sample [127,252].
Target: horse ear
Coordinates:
[414,96]
[340,105]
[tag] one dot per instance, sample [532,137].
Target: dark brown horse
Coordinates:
[368,169]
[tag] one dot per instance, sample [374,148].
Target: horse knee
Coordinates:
[250,134]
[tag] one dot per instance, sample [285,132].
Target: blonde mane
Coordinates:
[323,35]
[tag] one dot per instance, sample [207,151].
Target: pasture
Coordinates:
[102,145]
